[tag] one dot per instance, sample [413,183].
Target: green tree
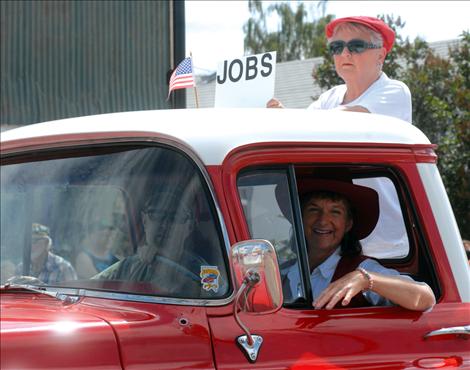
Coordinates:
[440,87]
[299,35]
[440,90]
[454,147]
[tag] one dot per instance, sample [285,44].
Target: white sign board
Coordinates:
[246,82]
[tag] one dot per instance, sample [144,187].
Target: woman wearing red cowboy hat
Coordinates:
[336,214]
[359,46]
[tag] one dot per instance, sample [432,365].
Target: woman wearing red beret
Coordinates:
[359,46]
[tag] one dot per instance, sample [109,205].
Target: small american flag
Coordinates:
[182,76]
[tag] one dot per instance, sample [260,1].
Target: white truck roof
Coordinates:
[213,133]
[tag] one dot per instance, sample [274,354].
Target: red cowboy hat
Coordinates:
[364,201]
[375,24]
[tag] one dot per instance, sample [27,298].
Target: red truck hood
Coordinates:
[42,332]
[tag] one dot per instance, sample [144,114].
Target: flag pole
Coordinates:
[195,89]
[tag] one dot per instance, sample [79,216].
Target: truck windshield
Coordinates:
[137,220]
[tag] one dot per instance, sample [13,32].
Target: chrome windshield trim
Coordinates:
[81,293]
[71,295]
[64,298]
[156,299]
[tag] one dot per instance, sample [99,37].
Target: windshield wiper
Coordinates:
[64,298]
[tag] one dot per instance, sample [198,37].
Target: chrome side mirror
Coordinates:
[257,272]
[259,289]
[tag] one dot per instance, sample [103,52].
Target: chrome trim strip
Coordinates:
[72,295]
[153,299]
[456,330]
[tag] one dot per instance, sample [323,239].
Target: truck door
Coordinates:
[300,337]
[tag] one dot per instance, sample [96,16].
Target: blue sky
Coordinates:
[214,28]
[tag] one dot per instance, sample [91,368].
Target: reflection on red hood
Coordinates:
[41,332]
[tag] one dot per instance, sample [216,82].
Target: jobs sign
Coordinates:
[246,82]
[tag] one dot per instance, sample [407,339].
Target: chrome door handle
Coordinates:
[463,331]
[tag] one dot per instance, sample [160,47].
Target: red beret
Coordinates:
[375,24]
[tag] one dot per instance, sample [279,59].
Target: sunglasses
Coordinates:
[354,46]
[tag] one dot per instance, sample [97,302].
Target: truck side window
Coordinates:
[389,239]
[267,206]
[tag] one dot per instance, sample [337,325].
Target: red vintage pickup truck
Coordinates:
[82,289]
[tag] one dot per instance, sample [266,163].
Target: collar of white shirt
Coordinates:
[328,267]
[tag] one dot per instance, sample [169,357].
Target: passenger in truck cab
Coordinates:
[96,254]
[336,215]
[164,257]
[46,266]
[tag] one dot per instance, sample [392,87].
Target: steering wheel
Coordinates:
[179,280]
[180,269]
